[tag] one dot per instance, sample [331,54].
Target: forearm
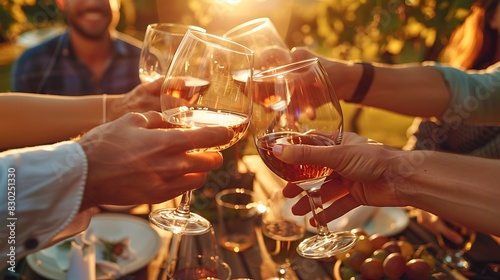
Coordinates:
[31,119]
[459,188]
[410,89]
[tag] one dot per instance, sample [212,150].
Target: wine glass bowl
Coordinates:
[281,231]
[200,90]
[263,38]
[195,257]
[295,104]
[159,45]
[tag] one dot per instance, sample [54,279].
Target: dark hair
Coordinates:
[473,44]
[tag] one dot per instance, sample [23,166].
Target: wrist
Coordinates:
[115,107]
[345,77]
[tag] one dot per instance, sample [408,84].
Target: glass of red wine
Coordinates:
[194,256]
[200,90]
[454,255]
[295,104]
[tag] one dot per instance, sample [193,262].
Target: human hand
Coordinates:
[436,225]
[360,167]
[135,160]
[344,75]
[143,98]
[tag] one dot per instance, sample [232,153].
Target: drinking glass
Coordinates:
[200,90]
[454,253]
[281,231]
[283,98]
[195,256]
[158,47]
[261,36]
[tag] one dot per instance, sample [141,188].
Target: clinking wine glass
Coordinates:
[283,99]
[199,90]
[454,253]
[195,256]
[158,48]
[261,36]
[281,231]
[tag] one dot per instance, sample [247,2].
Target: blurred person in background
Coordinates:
[90,57]
[473,45]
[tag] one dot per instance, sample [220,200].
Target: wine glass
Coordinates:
[200,90]
[283,98]
[261,36]
[454,253]
[158,47]
[195,256]
[281,231]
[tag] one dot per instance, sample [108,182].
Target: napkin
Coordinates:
[82,265]
[87,260]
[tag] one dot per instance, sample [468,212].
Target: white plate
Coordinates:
[388,221]
[144,242]
[381,220]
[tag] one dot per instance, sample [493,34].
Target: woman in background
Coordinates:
[473,45]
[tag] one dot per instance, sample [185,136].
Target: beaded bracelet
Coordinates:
[364,83]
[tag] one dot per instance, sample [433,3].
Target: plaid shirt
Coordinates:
[53,68]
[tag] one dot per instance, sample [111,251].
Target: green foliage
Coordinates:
[18,16]
[390,31]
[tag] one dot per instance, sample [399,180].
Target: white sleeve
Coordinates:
[41,193]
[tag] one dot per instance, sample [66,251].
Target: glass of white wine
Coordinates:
[283,99]
[200,90]
[282,232]
[261,36]
[158,47]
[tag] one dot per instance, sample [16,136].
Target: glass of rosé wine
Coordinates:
[200,90]
[295,104]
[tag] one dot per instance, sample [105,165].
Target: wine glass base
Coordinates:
[169,219]
[457,261]
[322,247]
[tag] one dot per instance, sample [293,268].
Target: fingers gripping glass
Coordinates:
[295,104]
[201,89]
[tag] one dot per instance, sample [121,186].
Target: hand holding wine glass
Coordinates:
[280,116]
[159,45]
[199,90]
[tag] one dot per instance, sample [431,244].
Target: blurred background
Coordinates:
[388,31]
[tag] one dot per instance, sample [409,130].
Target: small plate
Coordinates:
[144,242]
[381,220]
[387,221]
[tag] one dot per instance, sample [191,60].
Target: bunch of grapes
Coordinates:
[381,257]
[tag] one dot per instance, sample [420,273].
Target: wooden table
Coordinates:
[255,263]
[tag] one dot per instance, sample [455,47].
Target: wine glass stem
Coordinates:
[314,196]
[183,208]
